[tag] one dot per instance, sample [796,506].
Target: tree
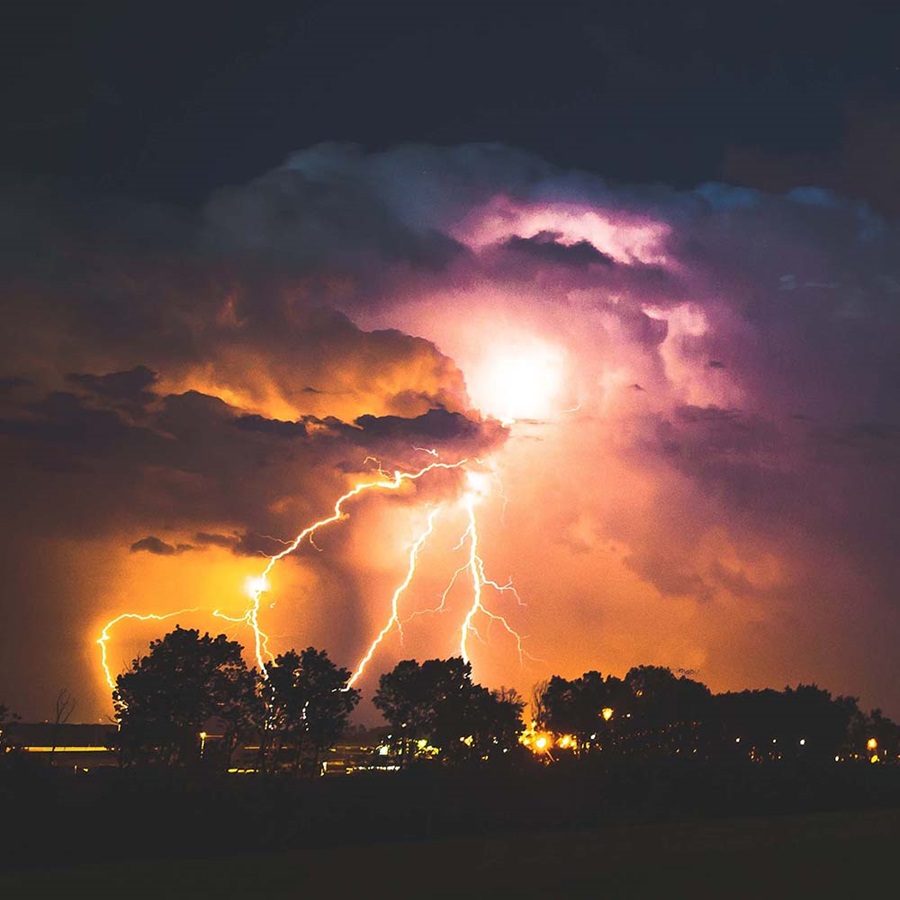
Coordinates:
[437,702]
[669,712]
[864,728]
[308,703]
[495,722]
[404,699]
[65,706]
[577,708]
[164,703]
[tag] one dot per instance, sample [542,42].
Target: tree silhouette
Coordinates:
[494,720]
[577,708]
[308,704]
[669,713]
[403,697]
[165,702]
[64,707]
[437,702]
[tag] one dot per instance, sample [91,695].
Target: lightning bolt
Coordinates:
[477,490]
[475,567]
[394,619]
[103,640]
[477,483]
[251,617]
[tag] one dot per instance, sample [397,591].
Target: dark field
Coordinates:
[637,832]
[823,855]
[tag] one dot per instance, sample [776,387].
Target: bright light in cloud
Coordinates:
[520,380]
[254,585]
[478,486]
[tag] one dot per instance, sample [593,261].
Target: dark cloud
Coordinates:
[153,544]
[130,389]
[275,426]
[438,426]
[671,576]
[206,539]
[545,247]
[9,383]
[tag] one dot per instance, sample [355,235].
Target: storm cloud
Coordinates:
[702,470]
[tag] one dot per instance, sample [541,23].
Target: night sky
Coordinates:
[638,263]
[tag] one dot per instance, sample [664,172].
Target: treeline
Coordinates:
[192,701]
[652,713]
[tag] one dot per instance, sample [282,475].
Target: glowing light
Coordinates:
[871,744]
[607,714]
[524,380]
[255,584]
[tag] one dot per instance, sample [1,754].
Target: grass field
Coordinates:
[846,854]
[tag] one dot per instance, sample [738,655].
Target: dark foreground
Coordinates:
[632,832]
[821,855]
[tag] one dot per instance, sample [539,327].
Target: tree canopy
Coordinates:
[436,704]
[189,684]
[309,704]
[653,712]
[165,701]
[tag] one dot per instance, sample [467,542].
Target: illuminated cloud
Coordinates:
[700,464]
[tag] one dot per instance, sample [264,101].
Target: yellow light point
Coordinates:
[385,482]
[395,599]
[103,640]
[871,744]
[607,714]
